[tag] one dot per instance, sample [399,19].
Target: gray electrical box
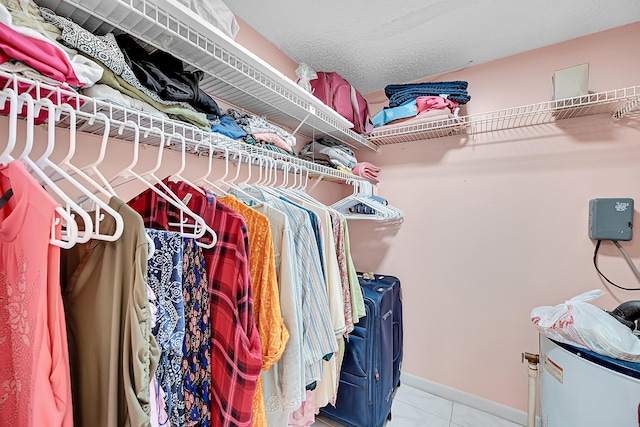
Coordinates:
[610,219]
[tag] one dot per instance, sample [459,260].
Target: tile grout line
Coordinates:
[430,413]
[422,410]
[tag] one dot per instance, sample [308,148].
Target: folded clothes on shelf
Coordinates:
[338,154]
[216,13]
[165,74]
[175,111]
[249,139]
[427,103]
[274,139]
[103,49]
[368,171]
[106,93]
[229,127]
[454,90]
[253,124]
[389,114]
[34,44]
[436,107]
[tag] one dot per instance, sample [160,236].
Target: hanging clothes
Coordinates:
[341,259]
[157,397]
[266,295]
[112,351]
[196,359]
[327,388]
[358,309]
[236,354]
[318,337]
[284,383]
[164,274]
[35,384]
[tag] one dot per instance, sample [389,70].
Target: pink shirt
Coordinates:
[35,384]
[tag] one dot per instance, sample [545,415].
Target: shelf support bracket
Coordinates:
[300,125]
[317,181]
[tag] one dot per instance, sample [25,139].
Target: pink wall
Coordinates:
[496,224]
[256,43]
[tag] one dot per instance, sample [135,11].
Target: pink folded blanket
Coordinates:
[426,103]
[367,171]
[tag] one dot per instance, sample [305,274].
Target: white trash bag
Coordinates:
[581,324]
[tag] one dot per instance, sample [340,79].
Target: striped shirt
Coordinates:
[319,339]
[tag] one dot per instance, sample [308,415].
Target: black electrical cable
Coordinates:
[595,263]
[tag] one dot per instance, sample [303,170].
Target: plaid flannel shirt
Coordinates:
[236,354]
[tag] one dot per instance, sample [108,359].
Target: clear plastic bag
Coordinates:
[579,323]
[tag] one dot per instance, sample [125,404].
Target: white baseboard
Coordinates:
[493,408]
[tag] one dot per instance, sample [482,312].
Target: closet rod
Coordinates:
[198,140]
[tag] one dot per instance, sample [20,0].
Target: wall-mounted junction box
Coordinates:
[610,219]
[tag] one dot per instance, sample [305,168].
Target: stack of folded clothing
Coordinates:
[263,131]
[426,108]
[329,153]
[229,127]
[158,79]
[270,147]
[422,102]
[165,74]
[28,47]
[454,91]
[368,171]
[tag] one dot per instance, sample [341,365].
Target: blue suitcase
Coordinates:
[393,282]
[368,379]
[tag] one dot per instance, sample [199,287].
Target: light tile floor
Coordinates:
[416,408]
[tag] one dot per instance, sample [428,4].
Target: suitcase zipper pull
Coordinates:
[377,375]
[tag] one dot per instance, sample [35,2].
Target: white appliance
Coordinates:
[579,388]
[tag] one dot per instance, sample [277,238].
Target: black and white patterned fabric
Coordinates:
[103,48]
[164,275]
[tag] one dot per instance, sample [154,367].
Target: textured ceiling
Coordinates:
[375,43]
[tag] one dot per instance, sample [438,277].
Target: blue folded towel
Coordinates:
[454,90]
[457,85]
[390,114]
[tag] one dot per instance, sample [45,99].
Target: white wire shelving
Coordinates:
[616,103]
[90,113]
[233,74]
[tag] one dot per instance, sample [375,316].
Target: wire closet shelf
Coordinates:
[616,102]
[197,141]
[233,74]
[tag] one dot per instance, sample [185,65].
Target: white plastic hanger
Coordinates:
[10,95]
[71,234]
[65,217]
[273,172]
[204,181]
[363,190]
[128,172]
[199,224]
[279,191]
[151,246]
[199,227]
[236,189]
[178,175]
[46,164]
[92,168]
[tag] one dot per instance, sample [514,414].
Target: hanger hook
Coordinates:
[13,124]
